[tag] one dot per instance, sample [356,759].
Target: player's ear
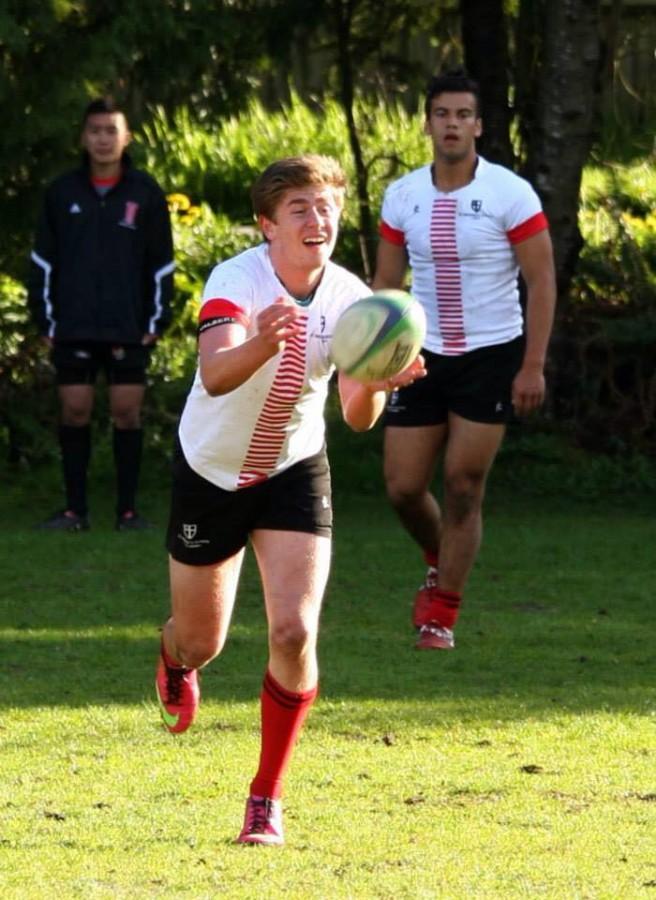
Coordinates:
[478,131]
[267,227]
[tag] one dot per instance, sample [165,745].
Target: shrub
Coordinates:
[607,385]
[25,395]
[218,162]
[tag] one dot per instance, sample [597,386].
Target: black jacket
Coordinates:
[102,267]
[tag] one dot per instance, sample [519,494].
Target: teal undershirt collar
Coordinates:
[300,301]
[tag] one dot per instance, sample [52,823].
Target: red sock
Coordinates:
[431,558]
[283,714]
[445,608]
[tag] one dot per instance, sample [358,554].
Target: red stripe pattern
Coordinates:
[527,229]
[271,427]
[448,282]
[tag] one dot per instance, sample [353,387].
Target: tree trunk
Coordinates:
[343,13]
[558,125]
[486,58]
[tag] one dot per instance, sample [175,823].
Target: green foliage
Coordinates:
[24,376]
[217,162]
[606,375]
[546,464]
[198,52]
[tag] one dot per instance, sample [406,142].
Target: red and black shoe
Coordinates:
[178,694]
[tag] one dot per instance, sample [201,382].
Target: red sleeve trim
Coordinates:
[219,308]
[393,235]
[527,229]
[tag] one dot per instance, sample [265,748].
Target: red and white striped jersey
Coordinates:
[460,249]
[275,418]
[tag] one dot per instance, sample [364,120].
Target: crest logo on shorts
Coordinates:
[477,205]
[189,531]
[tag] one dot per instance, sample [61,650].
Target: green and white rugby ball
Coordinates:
[379,336]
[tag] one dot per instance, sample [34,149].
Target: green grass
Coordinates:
[521,765]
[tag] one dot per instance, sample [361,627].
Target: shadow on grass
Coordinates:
[558,617]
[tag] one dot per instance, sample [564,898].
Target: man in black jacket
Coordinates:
[100,288]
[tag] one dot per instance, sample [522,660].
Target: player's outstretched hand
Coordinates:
[411,373]
[278,322]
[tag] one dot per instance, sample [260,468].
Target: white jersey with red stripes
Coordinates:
[460,249]
[275,418]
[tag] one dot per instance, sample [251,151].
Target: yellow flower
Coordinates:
[178,202]
[191,215]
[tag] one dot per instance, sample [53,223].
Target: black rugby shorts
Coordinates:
[208,524]
[79,362]
[476,386]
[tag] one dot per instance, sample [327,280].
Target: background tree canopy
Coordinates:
[216,89]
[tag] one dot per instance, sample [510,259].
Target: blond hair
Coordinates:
[308,170]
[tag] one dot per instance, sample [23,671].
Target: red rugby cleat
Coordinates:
[178,694]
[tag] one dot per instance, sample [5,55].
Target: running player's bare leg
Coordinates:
[202,600]
[470,451]
[294,567]
[410,459]
[452,533]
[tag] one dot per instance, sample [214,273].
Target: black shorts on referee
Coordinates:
[208,524]
[475,385]
[78,362]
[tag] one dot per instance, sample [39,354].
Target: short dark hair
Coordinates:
[452,81]
[102,105]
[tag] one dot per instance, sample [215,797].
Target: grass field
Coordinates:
[521,765]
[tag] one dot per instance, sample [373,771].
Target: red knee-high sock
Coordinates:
[445,607]
[283,714]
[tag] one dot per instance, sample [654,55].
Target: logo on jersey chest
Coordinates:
[477,205]
[129,219]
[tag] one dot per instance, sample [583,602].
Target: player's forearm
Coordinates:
[540,309]
[225,369]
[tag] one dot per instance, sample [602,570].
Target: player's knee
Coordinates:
[290,638]
[75,417]
[401,495]
[196,651]
[126,419]
[463,493]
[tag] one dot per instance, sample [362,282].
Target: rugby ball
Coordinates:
[379,336]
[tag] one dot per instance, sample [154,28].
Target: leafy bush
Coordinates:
[607,377]
[538,462]
[25,395]
[218,162]
[604,385]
